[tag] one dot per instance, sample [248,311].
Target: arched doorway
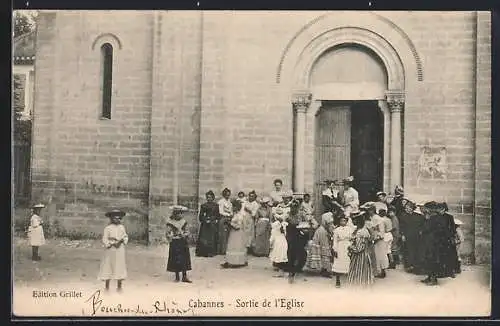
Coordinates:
[366,70]
[349,80]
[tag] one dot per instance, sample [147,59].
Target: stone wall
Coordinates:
[83,165]
[197,106]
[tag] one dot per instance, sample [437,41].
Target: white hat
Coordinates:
[458,222]
[178,208]
[40,205]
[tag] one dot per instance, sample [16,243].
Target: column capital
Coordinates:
[301,101]
[395,100]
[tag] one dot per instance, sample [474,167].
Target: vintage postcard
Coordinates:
[251,163]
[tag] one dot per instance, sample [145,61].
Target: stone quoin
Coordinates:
[207,100]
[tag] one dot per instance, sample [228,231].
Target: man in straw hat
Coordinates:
[35,231]
[179,258]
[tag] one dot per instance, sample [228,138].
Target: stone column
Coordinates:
[395,102]
[301,102]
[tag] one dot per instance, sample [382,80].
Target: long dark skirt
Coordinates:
[297,255]
[412,254]
[206,246]
[222,236]
[262,235]
[179,259]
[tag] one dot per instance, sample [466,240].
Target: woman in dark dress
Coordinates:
[411,224]
[179,259]
[436,237]
[399,201]
[331,202]
[206,245]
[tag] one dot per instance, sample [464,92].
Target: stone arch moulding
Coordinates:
[107,38]
[349,35]
[372,30]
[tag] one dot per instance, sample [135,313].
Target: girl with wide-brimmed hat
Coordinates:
[35,231]
[113,264]
[179,258]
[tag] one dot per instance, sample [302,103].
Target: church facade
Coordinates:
[140,110]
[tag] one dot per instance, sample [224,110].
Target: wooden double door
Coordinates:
[349,141]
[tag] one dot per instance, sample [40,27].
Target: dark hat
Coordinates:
[411,204]
[442,206]
[431,206]
[210,193]
[115,213]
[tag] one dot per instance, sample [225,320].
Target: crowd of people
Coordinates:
[352,242]
[358,242]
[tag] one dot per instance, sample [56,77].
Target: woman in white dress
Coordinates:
[114,238]
[236,252]
[250,207]
[278,243]
[341,242]
[349,196]
[35,231]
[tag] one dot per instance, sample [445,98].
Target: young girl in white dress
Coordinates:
[278,243]
[114,238]
[341,241]
[35,231]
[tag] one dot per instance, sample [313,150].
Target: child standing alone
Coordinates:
[35,231]
[179,258]
[114,238]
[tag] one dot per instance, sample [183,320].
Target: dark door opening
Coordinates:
[367,149]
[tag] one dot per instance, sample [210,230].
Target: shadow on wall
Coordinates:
[59,227]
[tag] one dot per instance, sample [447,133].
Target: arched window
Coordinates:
[107,78]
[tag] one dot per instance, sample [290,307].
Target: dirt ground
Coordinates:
[73,266]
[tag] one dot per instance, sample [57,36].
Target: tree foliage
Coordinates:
[23,23]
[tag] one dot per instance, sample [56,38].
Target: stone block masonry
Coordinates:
[196,106]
